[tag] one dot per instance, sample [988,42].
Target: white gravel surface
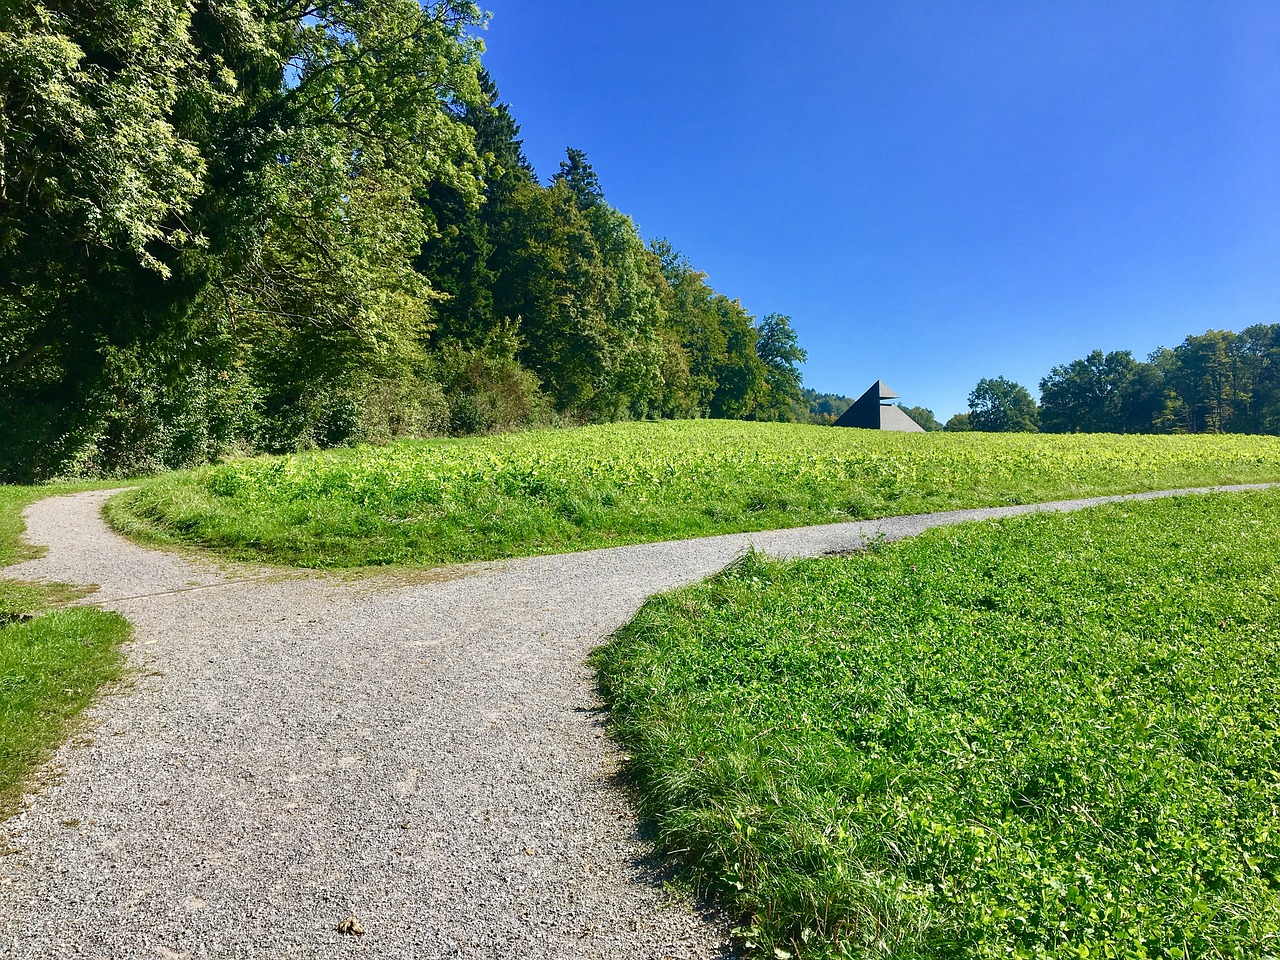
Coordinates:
[424,751]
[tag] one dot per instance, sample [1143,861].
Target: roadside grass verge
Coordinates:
[430,502]
[52,661]
[1050,736]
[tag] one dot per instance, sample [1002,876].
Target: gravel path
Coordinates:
[422,750]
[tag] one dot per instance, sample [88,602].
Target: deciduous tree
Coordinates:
[997,405]
[780,352]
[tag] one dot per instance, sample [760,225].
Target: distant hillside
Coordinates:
[824,407]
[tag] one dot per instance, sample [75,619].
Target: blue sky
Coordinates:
[934,192]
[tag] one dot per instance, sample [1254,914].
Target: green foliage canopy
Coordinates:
[923,416]
[1217,382]
[997,405]
[219,188]
[266,225]
[780,352]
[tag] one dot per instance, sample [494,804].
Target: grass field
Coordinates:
[1053,736]
[550,491]
[52,661]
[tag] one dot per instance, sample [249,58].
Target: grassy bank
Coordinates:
[52,661]
[1050,736]
[551,491]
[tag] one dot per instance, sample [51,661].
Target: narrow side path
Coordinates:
[428,756]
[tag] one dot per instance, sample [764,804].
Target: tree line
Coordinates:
[267,225]
[1217,382]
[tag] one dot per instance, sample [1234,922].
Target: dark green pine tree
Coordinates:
[577,174]
[459,259]
[498,140]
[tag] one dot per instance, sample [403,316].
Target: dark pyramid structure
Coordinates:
[875,411]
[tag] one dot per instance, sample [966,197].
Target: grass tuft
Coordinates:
[1052,736]
[51,667]
[52,661]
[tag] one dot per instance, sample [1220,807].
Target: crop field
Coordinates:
[1053,736]
[550,491]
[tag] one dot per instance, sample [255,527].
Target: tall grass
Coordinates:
[549,491]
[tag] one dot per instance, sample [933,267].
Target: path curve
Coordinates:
[424,751]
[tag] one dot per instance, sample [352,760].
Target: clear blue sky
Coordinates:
[934,192]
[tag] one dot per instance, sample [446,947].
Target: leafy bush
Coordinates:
[147,412]
[488,390]
[396,408]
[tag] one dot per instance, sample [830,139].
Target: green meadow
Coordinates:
[1050,736]
[442,501]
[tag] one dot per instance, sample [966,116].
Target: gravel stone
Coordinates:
[422,750]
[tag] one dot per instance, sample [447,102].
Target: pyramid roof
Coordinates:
[880,390]
[871,412]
